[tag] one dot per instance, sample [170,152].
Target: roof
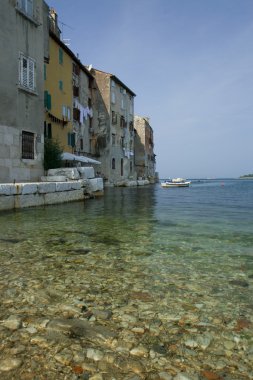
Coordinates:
[116,79]
[70,53]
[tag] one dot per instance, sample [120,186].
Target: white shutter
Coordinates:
[22,5]
[24,71]
[31,83]
[27,72]
[68,113]
[29,7]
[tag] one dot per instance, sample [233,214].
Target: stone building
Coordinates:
[24,44]
[145,162]
[114,135]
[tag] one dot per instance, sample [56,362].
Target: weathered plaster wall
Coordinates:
[20,109]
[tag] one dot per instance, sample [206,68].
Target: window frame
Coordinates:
[28,147]
[26,7]
[27,72]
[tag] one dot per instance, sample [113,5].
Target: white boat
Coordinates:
[176,182]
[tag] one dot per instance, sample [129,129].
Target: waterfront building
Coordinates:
[68,104]
[145,162]
[24,44]
[68,95]
[114,135]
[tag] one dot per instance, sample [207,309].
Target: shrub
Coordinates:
[52,154]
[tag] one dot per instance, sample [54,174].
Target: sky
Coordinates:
[190,64]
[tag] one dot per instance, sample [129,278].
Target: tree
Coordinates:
[52,154]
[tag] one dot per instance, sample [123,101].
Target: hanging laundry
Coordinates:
[90,112]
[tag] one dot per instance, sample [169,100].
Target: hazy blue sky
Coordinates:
[190,62]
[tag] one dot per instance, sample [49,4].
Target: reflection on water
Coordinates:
[190,250]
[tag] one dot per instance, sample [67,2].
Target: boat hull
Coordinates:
[172,184]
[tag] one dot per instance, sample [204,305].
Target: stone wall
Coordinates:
[19,195]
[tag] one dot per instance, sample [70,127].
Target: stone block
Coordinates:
[28,200]
[54,178]
[46,188]
[70,173]
[29,188]
[131,183]
[75,185]
[64,196]
[95,184]
[7,189]
[63,186]
[84,182]
[86,172]
[142,182]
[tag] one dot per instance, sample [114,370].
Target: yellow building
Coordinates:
[58,94]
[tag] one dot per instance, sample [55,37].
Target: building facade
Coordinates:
[24,44]
[114,136]
[145,162]
[67,96]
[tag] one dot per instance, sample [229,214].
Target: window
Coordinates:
[113,83]
[60,56]
[28,139]
[75,91]
[47,130]
[60,85]
[76,114]
[71,139]
[114,117]
[76,69]
[113,163]
[66,112]
[123,103]
[122,122]
[27,72]
[113,97]
[26,6]
[81,143]
[113,138]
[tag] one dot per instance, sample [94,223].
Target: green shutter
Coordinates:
[73,139]
[60,56]
[47,100]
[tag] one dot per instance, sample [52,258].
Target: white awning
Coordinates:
[73,157]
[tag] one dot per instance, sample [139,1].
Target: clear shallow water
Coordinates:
[190,250]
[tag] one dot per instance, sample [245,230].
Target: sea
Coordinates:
[190,250]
